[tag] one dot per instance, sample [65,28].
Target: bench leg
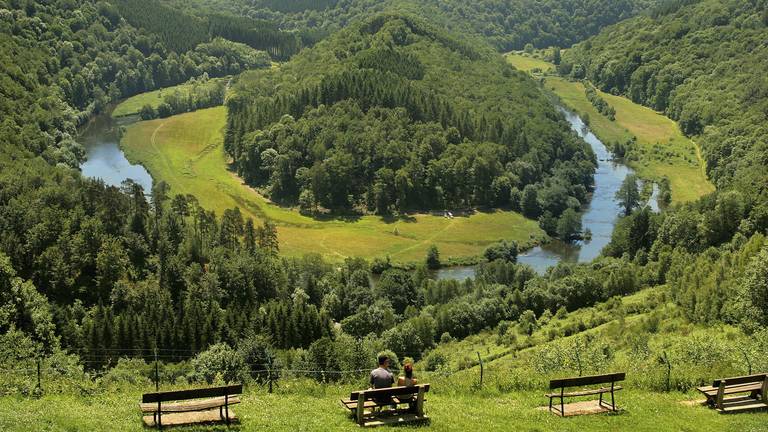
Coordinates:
[550,404]
[600,402]
[226,408]
[613,403]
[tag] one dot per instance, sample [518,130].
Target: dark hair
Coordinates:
[383,358]
[408,370]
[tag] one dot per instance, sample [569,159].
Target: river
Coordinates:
[106,160]
[599,215]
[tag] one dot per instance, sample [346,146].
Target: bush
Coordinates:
[435,361]
[219,363]
[259,357]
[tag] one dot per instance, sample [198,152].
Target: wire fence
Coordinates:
[83,368]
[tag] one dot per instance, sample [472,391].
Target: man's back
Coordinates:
[381,378]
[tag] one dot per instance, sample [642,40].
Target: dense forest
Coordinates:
[507,24]
[388,115]
[99,59]
[182,31]
[401,116]
[701,64]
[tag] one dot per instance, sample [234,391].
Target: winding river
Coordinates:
[107,161]
[599,215]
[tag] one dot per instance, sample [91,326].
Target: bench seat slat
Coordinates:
[712,391]
[198,405]
[176,395]
[389,392]
[352,405]
[583,392]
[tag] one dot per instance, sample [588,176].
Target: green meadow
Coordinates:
[133,104]
[187,152]
[511,397]
[317,408]
[661,149]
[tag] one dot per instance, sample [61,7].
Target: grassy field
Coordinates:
[133,104]
[662,150]
[187,152]
[293,409]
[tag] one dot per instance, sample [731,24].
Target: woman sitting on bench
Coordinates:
[408,381]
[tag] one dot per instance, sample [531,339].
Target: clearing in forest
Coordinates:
[661,149]
[187,152]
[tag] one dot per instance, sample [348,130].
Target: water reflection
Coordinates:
[599,215]
[105,159]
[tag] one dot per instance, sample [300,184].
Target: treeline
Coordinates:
[294,5]
[404,142]
[196,94]
[99,59]
[182,31]
[506,24]
[598,102]
[665,61]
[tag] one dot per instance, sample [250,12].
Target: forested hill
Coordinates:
[64,62]
[704,65]
[181,30]
[507,24]
[392,114]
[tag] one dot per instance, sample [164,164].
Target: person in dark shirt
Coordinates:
[381,377]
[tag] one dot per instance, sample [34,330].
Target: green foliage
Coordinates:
[628,194]
[219,363]
[598,102]
[664,61]
[506,251]
[433,258]
[415,139]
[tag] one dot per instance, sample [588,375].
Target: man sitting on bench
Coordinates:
[381,377]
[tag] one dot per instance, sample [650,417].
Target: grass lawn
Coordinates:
[662,150]
[294,409]
[133,104]
[187,152]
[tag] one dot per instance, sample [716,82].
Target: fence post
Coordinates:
[269,374]
[157,373]
[480,359]
[669,369]
[39,388]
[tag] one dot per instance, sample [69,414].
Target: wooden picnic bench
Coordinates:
[385,406]
[736,388]
[190,406]
[592,380]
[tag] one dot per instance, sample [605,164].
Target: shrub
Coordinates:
[219,363]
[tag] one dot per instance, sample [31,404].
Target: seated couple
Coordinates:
[381,377]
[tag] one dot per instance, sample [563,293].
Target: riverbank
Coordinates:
[187,152]
[660,149]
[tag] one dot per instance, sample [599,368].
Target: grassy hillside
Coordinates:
[133,105]
[186,151]
[702,64]
[317,408]
[635,329]
[661,150]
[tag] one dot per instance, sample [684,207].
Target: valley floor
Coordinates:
[662,150]
[187,152]
[293,410]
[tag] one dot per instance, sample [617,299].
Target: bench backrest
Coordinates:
[192,394]
[388,392]
[747,379]
[586,380]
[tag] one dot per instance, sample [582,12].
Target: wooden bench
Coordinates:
[385,406]
[200,406]
[564,383]
[735,388]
